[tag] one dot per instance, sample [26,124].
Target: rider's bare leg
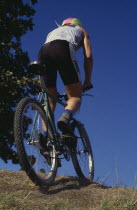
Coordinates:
[53,92]
[74,92]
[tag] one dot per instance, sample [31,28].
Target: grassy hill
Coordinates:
[69,193]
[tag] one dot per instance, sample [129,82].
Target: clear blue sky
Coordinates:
[111,116]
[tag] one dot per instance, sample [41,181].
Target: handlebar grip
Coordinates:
[90,87]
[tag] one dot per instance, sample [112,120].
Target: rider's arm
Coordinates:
[88,60]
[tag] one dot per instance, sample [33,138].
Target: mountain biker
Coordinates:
[59,53]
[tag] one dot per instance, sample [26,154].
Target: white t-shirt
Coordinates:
[72,33]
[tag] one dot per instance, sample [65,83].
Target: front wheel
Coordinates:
[37,154]
[82,155]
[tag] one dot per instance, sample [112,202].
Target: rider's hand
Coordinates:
[87,86]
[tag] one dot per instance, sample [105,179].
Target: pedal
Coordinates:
[67,136]
[70,141]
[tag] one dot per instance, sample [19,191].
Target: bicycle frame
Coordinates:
[44,95]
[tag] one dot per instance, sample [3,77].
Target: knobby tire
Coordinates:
[78,155]
[18,134]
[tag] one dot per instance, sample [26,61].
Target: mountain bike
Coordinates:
[40,156]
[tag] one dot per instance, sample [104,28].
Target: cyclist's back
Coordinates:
[72,33]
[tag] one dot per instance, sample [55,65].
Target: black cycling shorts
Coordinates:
[59,56]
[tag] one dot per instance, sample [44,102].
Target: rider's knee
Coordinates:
[77,99]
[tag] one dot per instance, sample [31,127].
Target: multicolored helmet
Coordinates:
[69,21]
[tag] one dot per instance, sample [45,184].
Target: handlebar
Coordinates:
[65,97]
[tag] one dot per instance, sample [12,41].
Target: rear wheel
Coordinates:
[82,156]
[36,153]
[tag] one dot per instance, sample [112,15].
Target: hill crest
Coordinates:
[18,192]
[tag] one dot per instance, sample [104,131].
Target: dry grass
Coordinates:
[18,192]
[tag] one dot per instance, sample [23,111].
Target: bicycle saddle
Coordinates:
[36,68]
